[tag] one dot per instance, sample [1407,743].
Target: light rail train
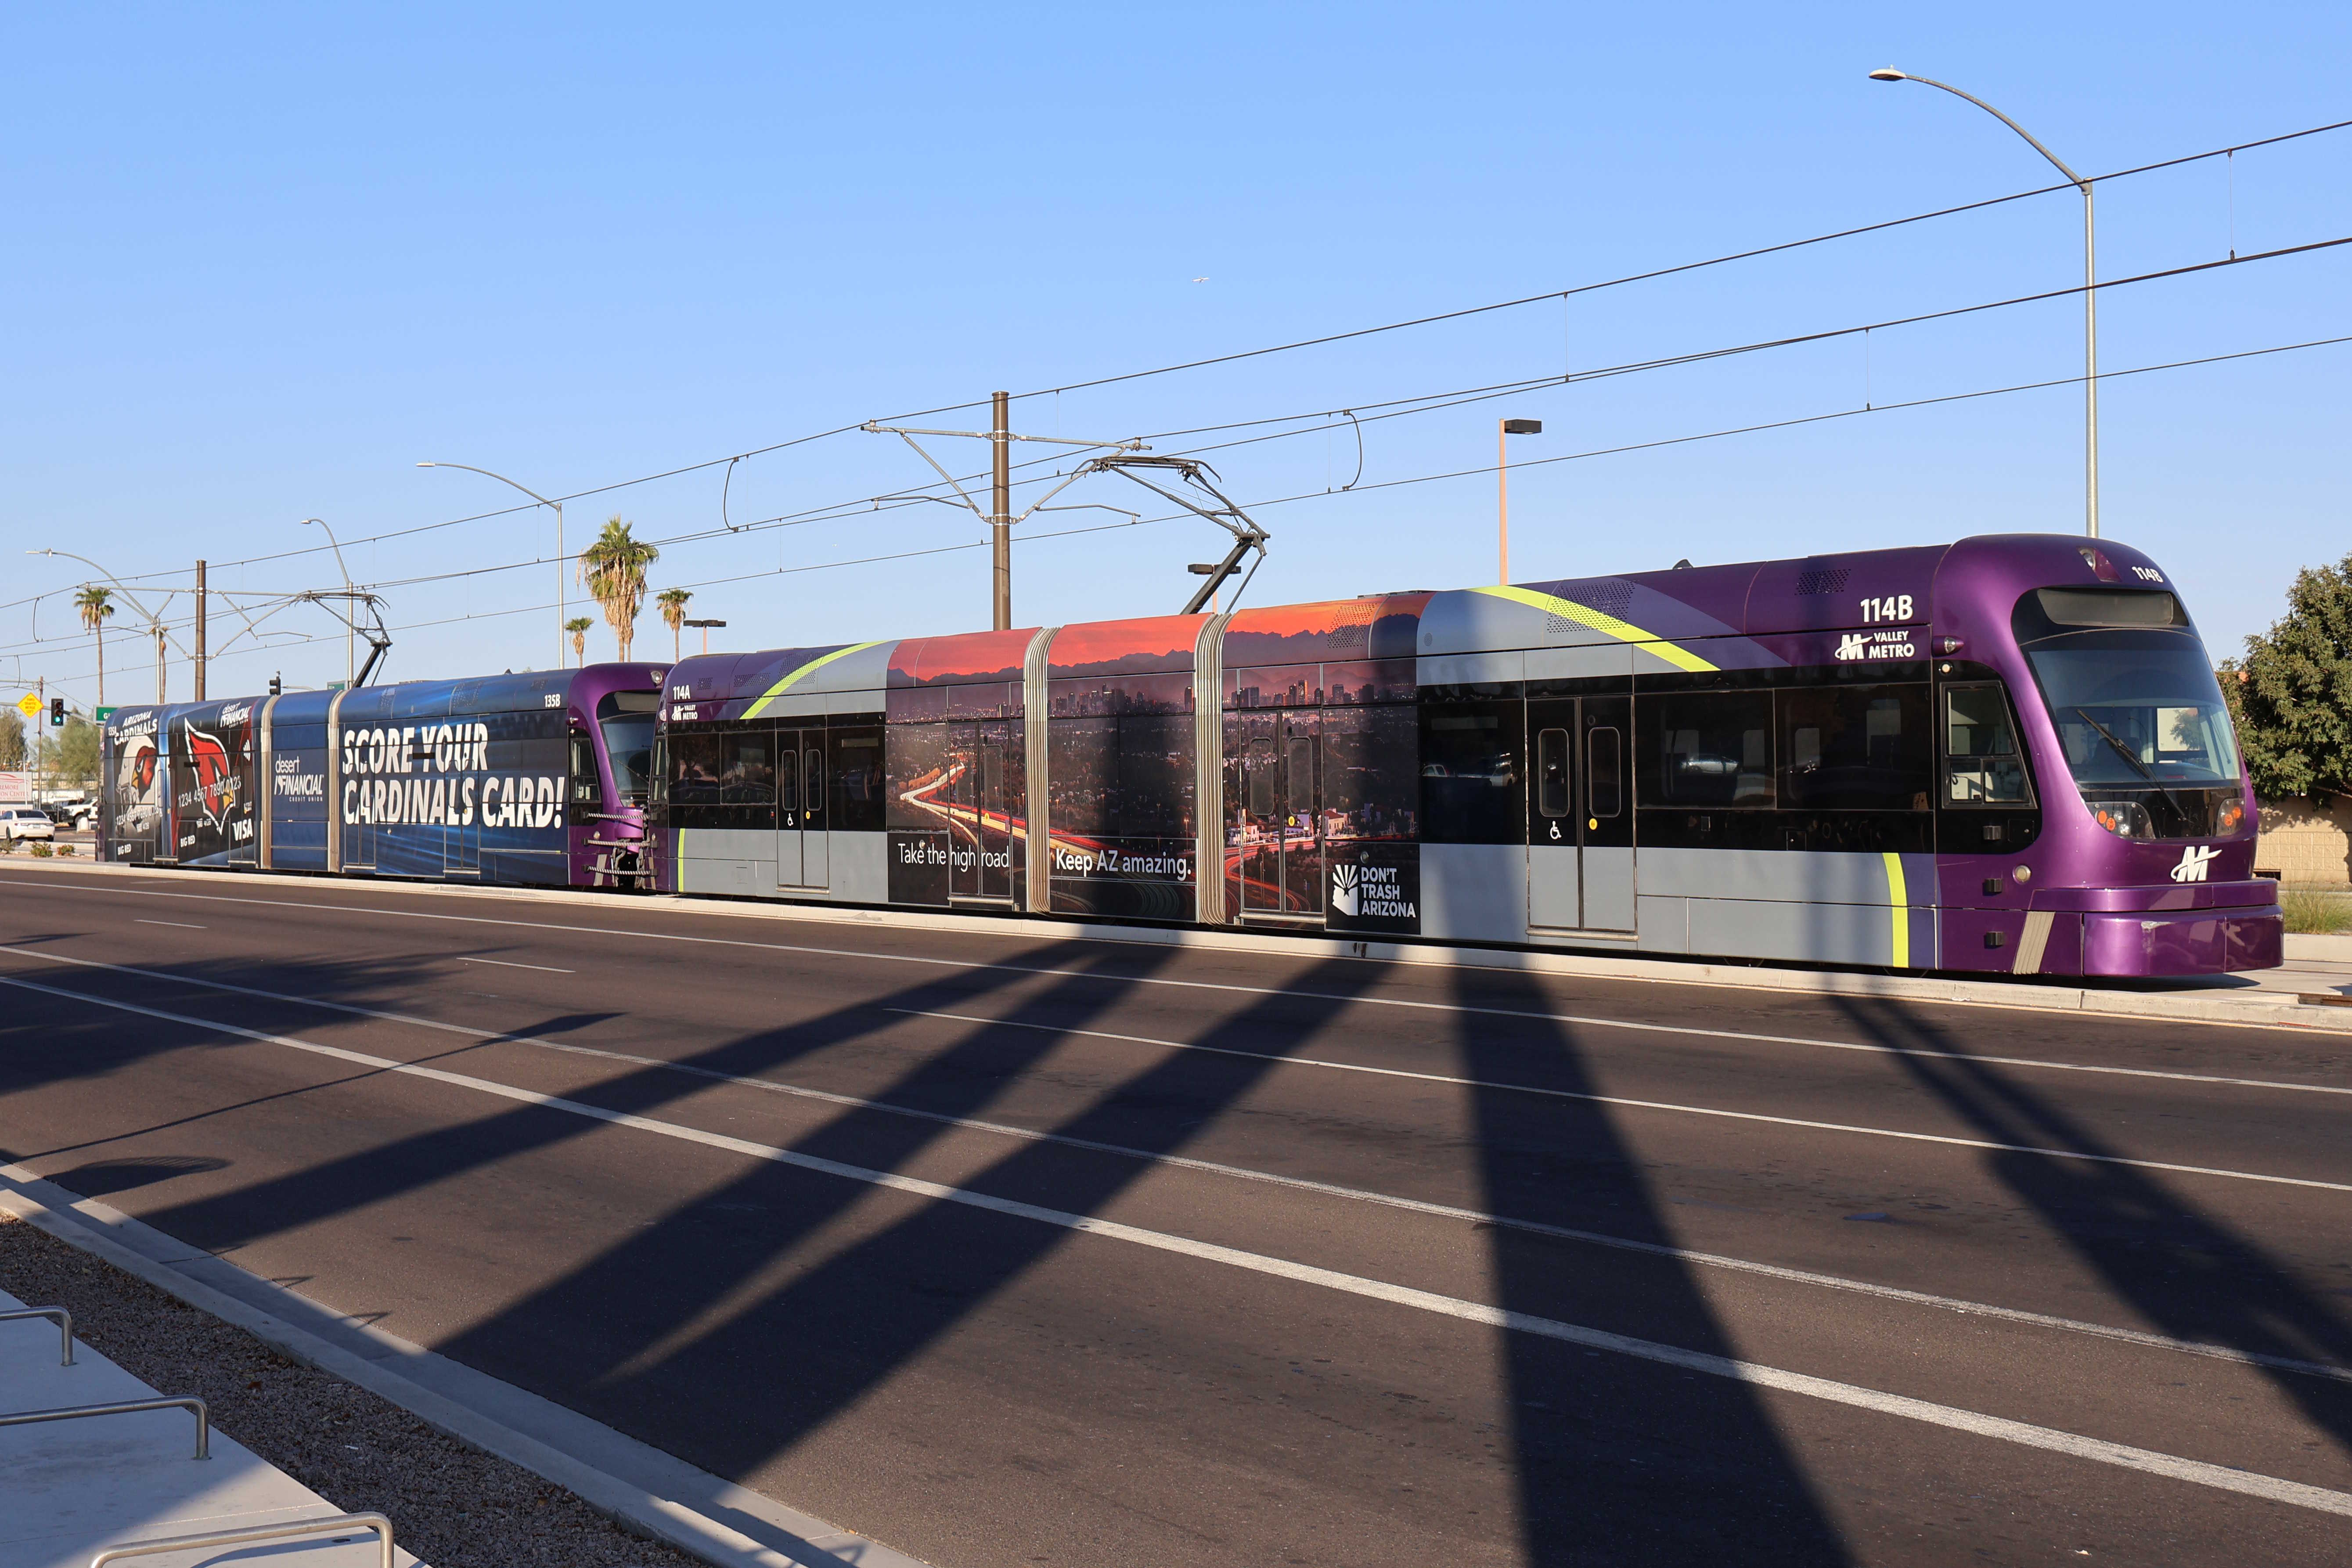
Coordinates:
[537,778]
[2006,755]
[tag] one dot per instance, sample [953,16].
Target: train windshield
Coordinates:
[626,719]
[2135,707]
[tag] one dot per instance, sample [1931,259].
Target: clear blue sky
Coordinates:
[259,261]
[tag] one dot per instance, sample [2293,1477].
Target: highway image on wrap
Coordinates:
[997,1245]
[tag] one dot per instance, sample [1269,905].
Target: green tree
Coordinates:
[2291,696]
[578,626]
[614,568]
[71,758]
[95,612]
[673,613]
[12,741]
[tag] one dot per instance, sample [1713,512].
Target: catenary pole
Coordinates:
[200,631]
[999,521]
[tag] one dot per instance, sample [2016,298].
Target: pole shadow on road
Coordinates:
[1619,1460]
[2188,1272]
[866,1311]
[439,1153]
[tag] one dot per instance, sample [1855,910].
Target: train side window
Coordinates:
[1982,765]
[1855,748]
[745,776]
[586,789]
[693,771]
[1260,778]
[858,779]
[1472,790]
[1711,748]
[1604,770]
[812,780]
[1301,771]
[1551,773]
[788,781]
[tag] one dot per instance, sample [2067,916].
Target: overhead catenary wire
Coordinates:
[1426,403]
[1728,258]
[1304,496]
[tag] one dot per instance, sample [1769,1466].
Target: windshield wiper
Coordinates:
[2125,752]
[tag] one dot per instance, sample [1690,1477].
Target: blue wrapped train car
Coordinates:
[533,778]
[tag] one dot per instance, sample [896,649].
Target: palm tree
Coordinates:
[614,568]
[673,612]
[95,612]
[578,626]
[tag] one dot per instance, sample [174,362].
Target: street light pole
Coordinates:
[154,622]
[347,611]
[563,584]
[2090,291]
[706,626]
[1504,430]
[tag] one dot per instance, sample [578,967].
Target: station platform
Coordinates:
[77,1488]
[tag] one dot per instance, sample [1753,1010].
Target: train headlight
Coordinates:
[2229,815]
[2125,819]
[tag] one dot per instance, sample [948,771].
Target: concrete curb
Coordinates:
[651,1491]
[2246,1008]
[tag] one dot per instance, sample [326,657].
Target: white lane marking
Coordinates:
[1581,1020]
[1416,1206]
[2222,1477]
[1638,1104]
[181,924]
[502,963]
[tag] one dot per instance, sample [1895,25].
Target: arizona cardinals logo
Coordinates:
[142,768]
[216,779]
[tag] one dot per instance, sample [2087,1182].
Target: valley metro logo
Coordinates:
[1851,646]
[2193,861]
[1346,877]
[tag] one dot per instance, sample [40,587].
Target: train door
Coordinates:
[801,847]
[1579,824]
[984,790]
[1280,828]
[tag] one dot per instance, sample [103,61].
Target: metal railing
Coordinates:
[65,1328]
[124,1407]
[340,1524]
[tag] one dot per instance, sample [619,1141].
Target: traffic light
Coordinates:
[56,713]
[275,684]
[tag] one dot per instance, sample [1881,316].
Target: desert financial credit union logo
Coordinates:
[2194,859]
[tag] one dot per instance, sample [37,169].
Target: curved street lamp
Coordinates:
[154,622]
[2090,291]
[563,607]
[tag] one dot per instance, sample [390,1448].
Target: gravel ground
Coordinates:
[451,1504]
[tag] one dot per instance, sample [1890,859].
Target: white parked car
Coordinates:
[25,822]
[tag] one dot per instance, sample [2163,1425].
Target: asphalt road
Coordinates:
[1005,1249]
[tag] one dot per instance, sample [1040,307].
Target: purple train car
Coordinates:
[2006,755]
[536,777]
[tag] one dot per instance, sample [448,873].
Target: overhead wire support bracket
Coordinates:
[379,639]
[1247,535]
[907,433]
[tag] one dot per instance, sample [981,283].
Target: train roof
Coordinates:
[581,687]
[1645,620]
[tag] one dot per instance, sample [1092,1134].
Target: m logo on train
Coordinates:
[2007,755]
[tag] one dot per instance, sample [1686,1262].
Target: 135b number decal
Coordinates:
[1895,607]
